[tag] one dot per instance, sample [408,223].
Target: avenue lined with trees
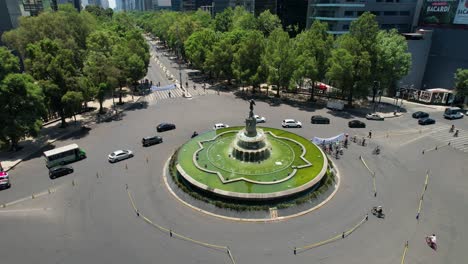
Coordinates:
[69,58]
[236,45]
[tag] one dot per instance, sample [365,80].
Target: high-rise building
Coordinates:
[340,13]
[9,13]
[176,5]
[292,12]
[75,3]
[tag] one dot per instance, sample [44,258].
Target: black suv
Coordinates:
[148,141]
[165,127]
[59,171]
[316,119]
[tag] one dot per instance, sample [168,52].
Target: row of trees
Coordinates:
[253,50]
[69,59]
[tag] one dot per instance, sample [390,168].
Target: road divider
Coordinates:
[404,253]
[422,195]
[372,174]
[335,238]
[175,234]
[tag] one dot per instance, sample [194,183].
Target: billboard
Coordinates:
[444,12]
[461,16]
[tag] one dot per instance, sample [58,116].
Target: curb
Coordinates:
[251,220]
[58,138]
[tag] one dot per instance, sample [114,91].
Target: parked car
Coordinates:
[219,125]
[59,171]
[317,119]
[165,127]
[120,155]
[291,123]
[356,124]
[374,116]
[4,180]
[420,114]
[148,141]
[426,121]
[259,119]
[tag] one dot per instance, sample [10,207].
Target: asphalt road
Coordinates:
[89,218]
[93,221]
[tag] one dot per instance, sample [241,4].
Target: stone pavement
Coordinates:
[51,131]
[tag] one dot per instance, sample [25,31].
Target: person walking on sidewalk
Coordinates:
[370,134]
[170,94]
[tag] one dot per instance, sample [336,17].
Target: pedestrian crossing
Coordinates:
[155,96]
[442,134]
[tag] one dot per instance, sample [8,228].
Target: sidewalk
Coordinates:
[52,132]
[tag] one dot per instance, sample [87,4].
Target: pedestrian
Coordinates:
[370,134]
[186,85]
[159,84]
[204,87]
[194,87]
[169,94]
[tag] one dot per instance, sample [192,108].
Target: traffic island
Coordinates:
[249,168]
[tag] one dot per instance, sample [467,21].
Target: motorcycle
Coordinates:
[376,151]
[378,214]
[430,243]
[194,134]
[456,133]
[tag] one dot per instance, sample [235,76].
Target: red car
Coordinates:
[4,180]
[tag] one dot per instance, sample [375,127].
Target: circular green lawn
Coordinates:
[294,164]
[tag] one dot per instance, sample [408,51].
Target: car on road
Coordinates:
[148,141]
[59,171]
[4,180]
[453,113]
[426,121]
[374,116]
[420,114]
[259,119]
[219,125]
[120,155]
[317,119]
[356,124]
[291,123]
[165,127]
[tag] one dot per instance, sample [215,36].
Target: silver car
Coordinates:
[119,155]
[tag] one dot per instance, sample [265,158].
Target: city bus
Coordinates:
[63,155]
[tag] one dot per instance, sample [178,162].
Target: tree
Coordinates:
[21,108]
[219,59]
[9,63]
[278,60]
[48,61]
[198,45]
[340,71]
[72,101]
[243,20]
[461,82]
[102,90]
[393,59]
[223,20]
[247,59]
[267,22]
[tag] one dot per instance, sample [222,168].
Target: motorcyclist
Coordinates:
[379,209]
[452,128]
[456,133]
[194,134]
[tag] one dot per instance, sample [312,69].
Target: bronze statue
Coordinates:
[252,103]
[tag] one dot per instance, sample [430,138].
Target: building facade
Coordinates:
[9,14]
[340,13]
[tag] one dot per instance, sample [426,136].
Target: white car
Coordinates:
[374,116]
[260,119]
[220,125]
[291,123]
[120,155]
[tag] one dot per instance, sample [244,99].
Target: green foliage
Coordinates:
[9,63]
[393,58]
[198,45]
[267,22]
[243,20]
[461,82]
[223,21]
[21,107]
[247,59]
[72,101]
[278,59]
